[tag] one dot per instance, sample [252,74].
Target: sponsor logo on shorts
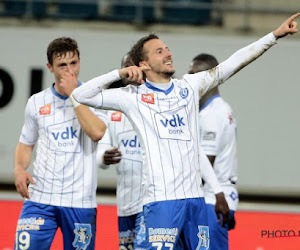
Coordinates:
[31,223]
[163,234]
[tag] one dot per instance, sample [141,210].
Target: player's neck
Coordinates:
[158,78]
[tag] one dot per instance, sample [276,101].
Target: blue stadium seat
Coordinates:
[186,15]
[78,9]
[129,13]
[13,8]
[39,9]
[20,8]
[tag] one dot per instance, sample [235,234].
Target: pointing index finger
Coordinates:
[293,17]
[144,68]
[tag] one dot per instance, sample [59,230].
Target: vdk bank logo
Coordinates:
[133,143]
[176,121]
[69,133]
[172,124]
[130,144]
[64,137]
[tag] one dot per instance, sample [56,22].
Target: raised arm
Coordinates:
[248,54]
[91,124]
[241,58]
[90,92]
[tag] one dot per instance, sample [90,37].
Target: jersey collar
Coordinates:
[167,91]
[209,101]
[59,95]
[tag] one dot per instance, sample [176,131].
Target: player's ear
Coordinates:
[50,67]
[143,64]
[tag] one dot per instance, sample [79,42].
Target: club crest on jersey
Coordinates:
[83,235]
[148,98]
[203,236]
[116,117]
[45,110]
[184,93]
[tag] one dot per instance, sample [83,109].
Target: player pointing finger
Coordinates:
[134,73]
[289,26]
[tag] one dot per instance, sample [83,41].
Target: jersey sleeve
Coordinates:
[211,131]
[209,79]
[93,93]
[29,134]
[208,174]
[244,56]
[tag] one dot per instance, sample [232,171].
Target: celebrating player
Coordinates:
[120,145]
[164,113]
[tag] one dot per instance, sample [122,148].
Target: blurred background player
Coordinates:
[218,140]
[120,145]
[62,190]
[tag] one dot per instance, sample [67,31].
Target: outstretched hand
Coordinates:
[134,73]
[289,26]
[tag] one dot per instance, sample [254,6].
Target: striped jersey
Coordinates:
[64,170]
[166,121]
[218,138]
[120,134]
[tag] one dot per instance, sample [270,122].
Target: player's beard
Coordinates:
[161,71]
[166,73]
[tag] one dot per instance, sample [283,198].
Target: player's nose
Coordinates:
[70,69]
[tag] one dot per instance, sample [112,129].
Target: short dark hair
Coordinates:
[137,53]
[60,46]
[209,59]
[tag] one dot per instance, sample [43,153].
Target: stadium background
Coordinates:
[264,96]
